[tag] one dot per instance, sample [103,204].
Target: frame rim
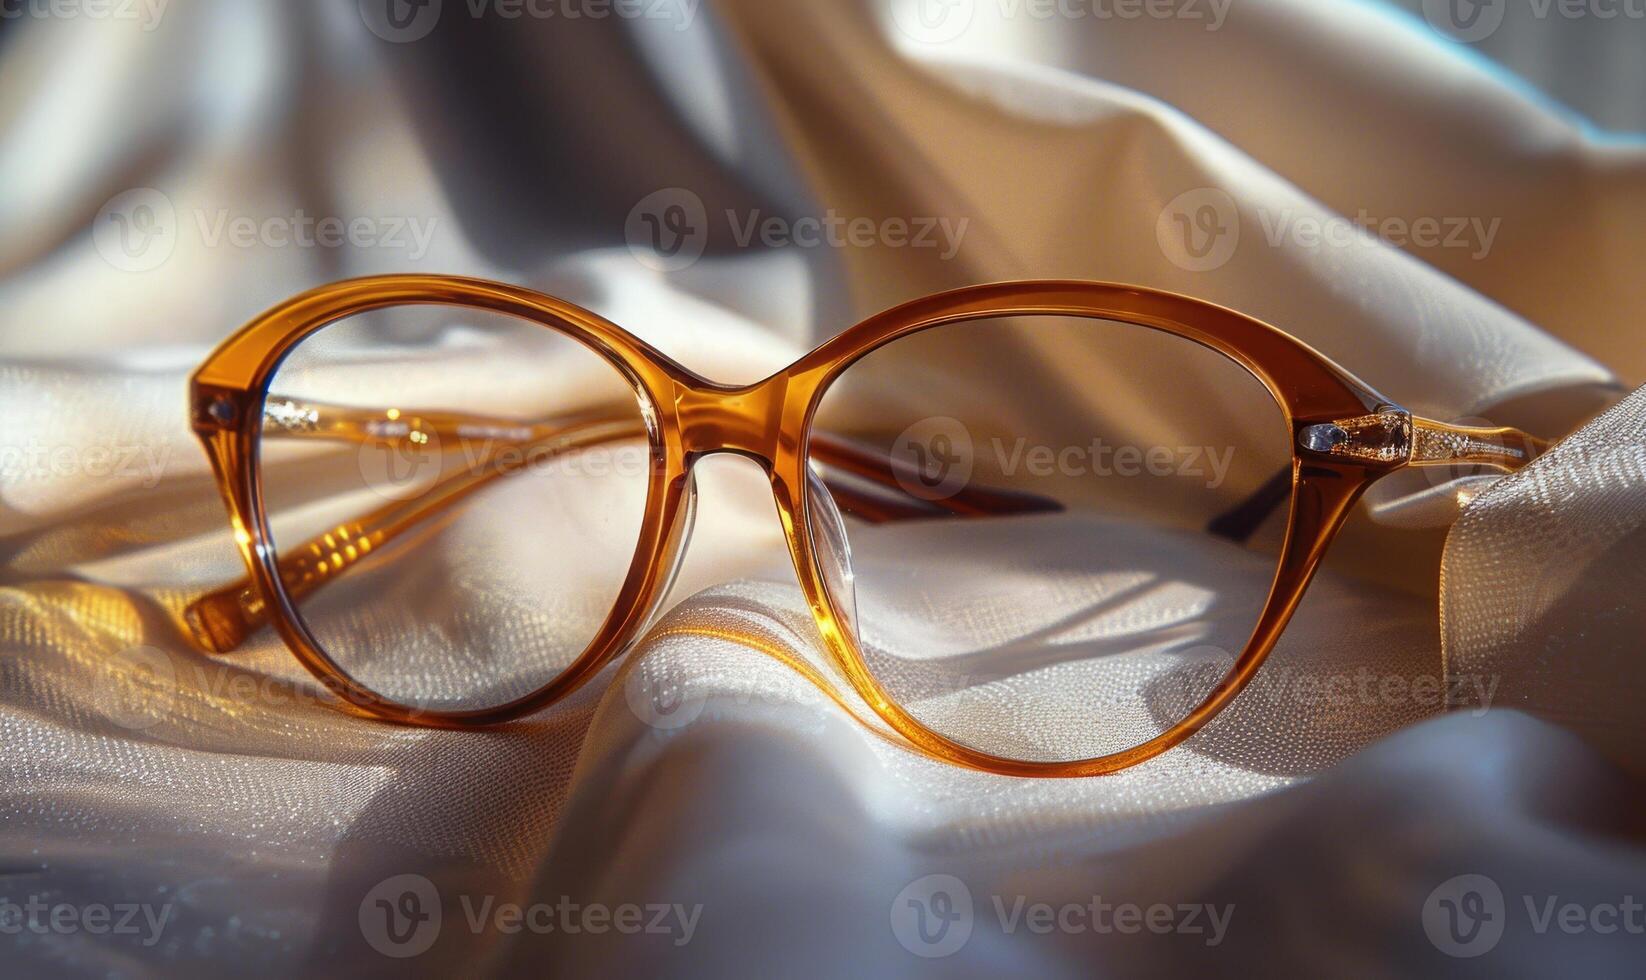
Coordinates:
[240,371]
[1322,494]
[771,422]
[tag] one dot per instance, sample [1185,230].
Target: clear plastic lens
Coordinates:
[1102,509]
[454,497]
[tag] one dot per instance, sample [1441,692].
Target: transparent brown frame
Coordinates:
[1345,436]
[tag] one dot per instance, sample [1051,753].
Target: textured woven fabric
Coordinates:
[1547,583]
[1322,812]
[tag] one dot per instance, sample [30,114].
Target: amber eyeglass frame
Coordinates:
[1345,436]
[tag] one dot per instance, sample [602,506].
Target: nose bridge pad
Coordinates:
[833,551]
[674,553]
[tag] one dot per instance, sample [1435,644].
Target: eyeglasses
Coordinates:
[1036,522]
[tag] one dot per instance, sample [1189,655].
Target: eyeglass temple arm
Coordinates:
[1416,441]
[870,486]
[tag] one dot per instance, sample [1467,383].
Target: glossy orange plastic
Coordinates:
[1345,437]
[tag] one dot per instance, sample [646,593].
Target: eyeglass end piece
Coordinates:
[1382,437]
[218,621]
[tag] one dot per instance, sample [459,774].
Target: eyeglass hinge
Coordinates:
[214,408]
[1385,436]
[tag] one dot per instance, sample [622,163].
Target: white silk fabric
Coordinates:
[1324,811]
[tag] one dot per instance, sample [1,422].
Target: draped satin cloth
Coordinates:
[136,772]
